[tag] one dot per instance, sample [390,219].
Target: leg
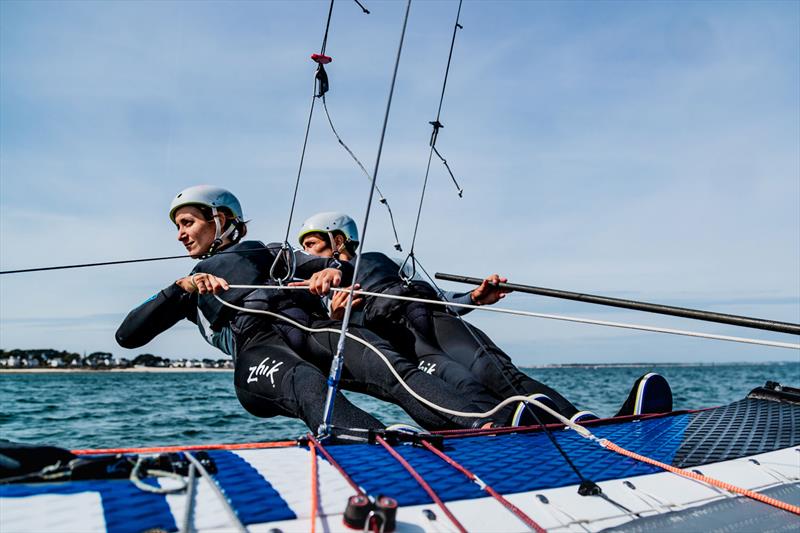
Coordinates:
[412,335]
[272,380]
[473,349]
[364,371]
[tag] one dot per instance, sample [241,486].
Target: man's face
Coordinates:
[317,244]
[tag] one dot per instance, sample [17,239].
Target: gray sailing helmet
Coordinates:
[209,196]
[328,222]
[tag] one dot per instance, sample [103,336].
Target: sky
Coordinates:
[641,150]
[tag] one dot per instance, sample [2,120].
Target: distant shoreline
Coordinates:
[149,369]
[167,370]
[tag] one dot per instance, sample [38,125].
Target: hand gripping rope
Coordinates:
[580,430]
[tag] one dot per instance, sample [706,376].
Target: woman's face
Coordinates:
[194,231]
[316,244]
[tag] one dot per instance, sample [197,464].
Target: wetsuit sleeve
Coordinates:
[307,264]
[458,298]
[156,315]
[448,296]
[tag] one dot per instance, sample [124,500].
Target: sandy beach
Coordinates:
[150,369]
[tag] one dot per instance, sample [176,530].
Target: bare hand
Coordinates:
[203,283]
[339,302]
[488,293]
[320,283]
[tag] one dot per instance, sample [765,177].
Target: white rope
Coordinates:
[218,491]
[141,485]
[580,429]
[745,340]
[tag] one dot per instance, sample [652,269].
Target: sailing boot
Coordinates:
[650,394]
[524,413]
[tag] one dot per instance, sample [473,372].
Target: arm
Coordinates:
[156,315]
[487,293]
[307,265]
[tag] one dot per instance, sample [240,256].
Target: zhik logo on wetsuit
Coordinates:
[264,369]
[428,368]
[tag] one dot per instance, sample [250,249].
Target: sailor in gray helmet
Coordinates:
[442,343]
[269,377]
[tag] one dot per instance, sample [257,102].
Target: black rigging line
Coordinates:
[587,486]
[437,125]
[103,263]
[319,79]
[126,261]
[323,88]
[382,199]
[321,83]
[336,365]
[364,9]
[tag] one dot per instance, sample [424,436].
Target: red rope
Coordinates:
[191,447]
[336,465]
[314,487]
[421,482]
[705,479]
[496,495]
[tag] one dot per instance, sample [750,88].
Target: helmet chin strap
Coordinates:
[336,249]
[219,235]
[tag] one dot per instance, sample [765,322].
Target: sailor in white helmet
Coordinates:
[279,368]
[442,343]
[270,378]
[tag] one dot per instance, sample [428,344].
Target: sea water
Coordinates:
[125,409]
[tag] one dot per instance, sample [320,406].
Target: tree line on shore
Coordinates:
[49,358]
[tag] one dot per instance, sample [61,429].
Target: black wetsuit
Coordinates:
[440,338]
[270,378]
[279,368]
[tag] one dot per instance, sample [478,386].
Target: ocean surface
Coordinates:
[121,409]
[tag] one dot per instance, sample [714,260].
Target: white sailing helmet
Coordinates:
[328,222]
[213,198]
[209,196]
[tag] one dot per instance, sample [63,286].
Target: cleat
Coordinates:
[524,417]
[650,394]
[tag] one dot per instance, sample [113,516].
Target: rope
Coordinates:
[141,485]
[584,480]
[320,79]
[527,520]
[381,198]
[494,309]
[422,483]
[218,491]
[336,365]
[436,126]
[336,465]
[102,263]
[314,486]
[699,477]
[196,447]
[580,429]
[191,500]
